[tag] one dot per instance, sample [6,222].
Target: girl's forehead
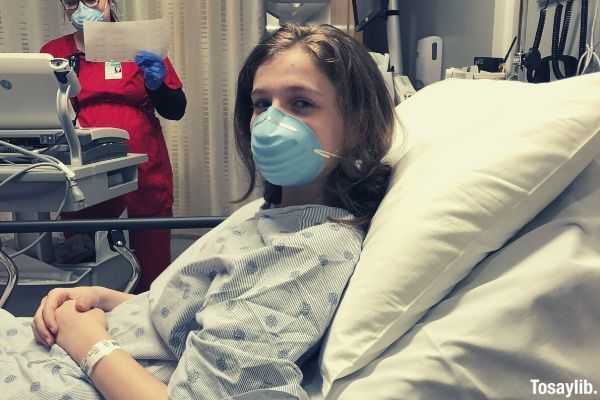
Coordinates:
[296,53]
[294,61]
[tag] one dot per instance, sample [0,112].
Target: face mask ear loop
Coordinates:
[326,154]
[358,164]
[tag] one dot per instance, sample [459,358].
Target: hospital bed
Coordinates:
[480,274]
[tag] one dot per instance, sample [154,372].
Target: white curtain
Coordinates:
[27,24]
[210,40]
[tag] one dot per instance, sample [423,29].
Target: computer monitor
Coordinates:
[28,89]
[367,10]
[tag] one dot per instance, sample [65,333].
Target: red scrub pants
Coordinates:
[152,248]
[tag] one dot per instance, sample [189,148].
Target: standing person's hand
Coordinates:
[153,67]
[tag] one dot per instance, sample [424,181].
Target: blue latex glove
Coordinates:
[153,67]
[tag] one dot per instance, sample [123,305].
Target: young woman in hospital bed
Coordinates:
[234,316]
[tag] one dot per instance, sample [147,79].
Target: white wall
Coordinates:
[466,27]
[506,15]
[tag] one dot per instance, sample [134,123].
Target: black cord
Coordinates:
[583,27]
[533,58]
[540,28]
[75,63]
[556,41]
[566,24]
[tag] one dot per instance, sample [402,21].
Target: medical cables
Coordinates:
[590,56]
[47,161]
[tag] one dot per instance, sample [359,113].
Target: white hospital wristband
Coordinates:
[96,353]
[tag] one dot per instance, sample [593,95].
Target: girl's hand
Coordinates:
[44,324]
[79,331]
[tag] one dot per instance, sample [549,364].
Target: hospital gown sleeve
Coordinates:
[272,311]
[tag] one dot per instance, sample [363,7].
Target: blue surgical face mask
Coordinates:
[85,14]
[286,151]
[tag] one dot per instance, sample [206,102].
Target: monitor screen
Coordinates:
[367,10]
[27,92]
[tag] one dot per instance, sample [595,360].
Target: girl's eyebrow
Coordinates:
[290,89]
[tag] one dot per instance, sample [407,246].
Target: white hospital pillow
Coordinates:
[484,157]
[528,311]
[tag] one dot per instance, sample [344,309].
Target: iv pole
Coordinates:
[402,86]
[517,71]
[393,34]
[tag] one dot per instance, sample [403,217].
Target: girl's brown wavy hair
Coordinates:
[360,180]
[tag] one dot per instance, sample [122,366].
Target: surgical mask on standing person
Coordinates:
[85,14]
[286,151]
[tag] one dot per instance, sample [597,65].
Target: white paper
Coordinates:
[121,41]
[382,60]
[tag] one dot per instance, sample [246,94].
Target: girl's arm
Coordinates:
[110,298]
[118,376]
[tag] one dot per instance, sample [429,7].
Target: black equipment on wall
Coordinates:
[562,65]
[366,11]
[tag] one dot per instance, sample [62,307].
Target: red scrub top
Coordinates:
[123,103]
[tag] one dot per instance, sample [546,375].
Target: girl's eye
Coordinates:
[302,104]
[260,105]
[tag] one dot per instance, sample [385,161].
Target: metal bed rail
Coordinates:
[12,276]
[96,225]
[117,243]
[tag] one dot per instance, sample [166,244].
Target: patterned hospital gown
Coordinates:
[234,316]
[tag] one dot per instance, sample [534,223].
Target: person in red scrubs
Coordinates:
[126,95]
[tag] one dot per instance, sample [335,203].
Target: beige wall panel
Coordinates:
[342,17]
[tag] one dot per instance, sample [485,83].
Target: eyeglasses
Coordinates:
[71,5]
